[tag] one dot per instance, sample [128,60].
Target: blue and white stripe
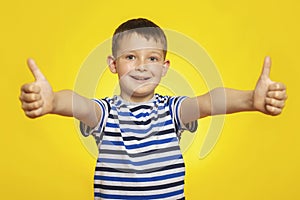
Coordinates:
[139,155]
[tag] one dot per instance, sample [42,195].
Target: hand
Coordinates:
[269,96]
[37,97]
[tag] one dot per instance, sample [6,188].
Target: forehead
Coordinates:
[133,42]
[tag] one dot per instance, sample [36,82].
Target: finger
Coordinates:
[30,88]
[279,95]
[38,75]
[29,97]
[277,86]
[273,110]
[32,106]
[34,113]
[275,103]
[266,67]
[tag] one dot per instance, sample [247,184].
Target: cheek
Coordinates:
[157,70]
[124,69]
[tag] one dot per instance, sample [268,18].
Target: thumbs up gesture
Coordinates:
[269,96]
[36,97]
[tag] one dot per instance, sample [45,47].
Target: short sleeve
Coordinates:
[175,105]
[98,129]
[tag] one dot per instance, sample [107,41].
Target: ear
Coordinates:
[166,66]
[111,61]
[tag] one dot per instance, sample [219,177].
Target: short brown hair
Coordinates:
[142,27]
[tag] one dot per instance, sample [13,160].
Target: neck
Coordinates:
[136,98]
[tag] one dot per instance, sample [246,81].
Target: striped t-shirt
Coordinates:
[139,155]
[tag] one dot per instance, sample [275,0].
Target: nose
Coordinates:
[141,66]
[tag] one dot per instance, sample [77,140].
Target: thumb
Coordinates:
[38,75]
[266,67]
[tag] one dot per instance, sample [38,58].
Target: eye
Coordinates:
[130,57]
[153,59]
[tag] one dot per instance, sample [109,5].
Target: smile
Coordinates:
[140,78]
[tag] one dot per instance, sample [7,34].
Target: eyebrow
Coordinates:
[155,51]
[144,48]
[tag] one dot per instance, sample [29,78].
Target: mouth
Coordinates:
[140,78]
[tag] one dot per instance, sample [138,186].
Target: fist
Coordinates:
[36,97]
[269,96]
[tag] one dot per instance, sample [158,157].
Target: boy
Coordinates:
[138,131]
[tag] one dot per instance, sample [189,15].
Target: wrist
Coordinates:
[54,104]
[62,103]
[251,101]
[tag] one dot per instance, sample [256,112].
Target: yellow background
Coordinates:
[257,156]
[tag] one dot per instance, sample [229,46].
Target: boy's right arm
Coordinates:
[38,99]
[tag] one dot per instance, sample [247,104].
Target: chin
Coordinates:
[142,92]
[145,90]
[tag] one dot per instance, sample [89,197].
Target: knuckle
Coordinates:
[270,94]
[272,109]
[273,102]
[282,86]
[28,114]
[23,87]
[37,104]
[31,87]
[24,107]
[273,86]
[31,116]
[34,105]
[26,97]
[35,113]
[278,111]
[32,96]
[278,86]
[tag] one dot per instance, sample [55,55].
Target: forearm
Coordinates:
[69,103]
[224,101]
[236,100]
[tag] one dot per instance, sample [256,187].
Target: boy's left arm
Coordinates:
[268,97]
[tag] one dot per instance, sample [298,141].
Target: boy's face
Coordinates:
[140,64]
